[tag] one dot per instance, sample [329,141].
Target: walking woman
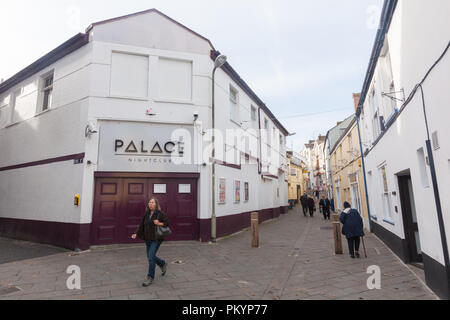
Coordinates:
[146,231]
[352,229]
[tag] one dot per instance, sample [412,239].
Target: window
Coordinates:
[374,101]
[435,140]
[174,80]
[184,188]
[222,190]
[159,189]
[355,195]
[14,105]
[375,120]
[386,195]
[253,114]
[371,186]
[4,114]
[266,127]
[350,145]
[234,103]
[237,191]
[423,168]
[129,75]
[247,195]
[48,92]
[338,195]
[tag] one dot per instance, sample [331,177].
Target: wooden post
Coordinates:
[255,229]
[337,234]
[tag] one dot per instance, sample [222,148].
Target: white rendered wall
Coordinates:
[46,192]
[418,35]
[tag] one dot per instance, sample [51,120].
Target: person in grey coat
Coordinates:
[352,228]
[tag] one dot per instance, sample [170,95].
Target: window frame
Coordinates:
[234,105]
[386,195]
[47,88]
[253,113]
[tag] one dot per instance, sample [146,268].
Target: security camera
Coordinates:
[90,129]
[195,115]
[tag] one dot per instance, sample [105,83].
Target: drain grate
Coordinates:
[9,290]
[326,228]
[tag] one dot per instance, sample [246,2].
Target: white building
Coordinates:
[314,156]
[120,114]
[410,49]
[307,153]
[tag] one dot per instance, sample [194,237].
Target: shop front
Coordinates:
[138,161]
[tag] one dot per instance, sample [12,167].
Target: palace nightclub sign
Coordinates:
[145,147]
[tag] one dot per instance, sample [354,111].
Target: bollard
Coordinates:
[337,234]
[255,229]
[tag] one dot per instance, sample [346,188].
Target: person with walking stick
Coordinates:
[352,228]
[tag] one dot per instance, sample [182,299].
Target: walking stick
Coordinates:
[364,246]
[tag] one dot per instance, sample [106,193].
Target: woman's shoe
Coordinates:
[357,255]
[164,269]
[353,257]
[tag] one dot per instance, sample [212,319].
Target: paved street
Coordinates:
[15,250]
[295,261]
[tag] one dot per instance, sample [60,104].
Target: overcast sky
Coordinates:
[303,58]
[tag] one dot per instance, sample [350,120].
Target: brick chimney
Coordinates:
[356,97]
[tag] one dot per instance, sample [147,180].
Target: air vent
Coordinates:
[435,140]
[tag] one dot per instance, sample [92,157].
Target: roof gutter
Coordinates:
[66,48]
[386,18]
[244,86]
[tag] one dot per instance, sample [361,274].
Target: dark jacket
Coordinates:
[146,230]
[325,204]
[304,201]
[311,203]
[353,223]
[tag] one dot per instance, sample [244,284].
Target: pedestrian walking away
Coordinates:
[352,228]
[311,206]
[146,231]
[325,205]
[304,202]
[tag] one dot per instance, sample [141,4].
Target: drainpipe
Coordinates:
[364,169]
[218,63]
[437,198]
[260,142]
[213,165]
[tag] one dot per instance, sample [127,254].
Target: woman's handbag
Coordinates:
[162,232]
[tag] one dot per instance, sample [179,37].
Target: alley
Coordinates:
[295,261]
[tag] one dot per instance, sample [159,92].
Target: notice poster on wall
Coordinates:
[222,185]
[237,191]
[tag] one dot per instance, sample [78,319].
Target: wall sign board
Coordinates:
[145,147]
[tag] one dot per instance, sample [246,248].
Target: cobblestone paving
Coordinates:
[295,261]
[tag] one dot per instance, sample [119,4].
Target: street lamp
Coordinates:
[218,63]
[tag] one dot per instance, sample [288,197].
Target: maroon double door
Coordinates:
[120,203]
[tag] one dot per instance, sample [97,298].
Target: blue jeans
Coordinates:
[153,260]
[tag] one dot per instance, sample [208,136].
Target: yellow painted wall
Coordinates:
[345,161]
[295,181]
